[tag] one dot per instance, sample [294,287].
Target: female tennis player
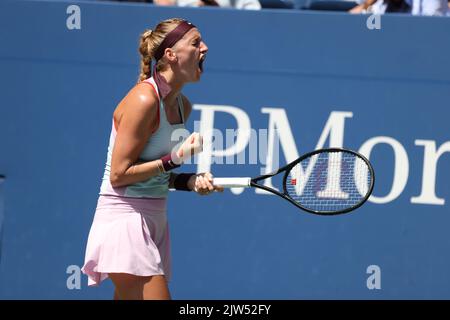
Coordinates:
[129,237]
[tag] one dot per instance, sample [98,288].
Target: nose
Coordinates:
[203,47]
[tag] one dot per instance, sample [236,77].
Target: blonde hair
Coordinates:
[149,43]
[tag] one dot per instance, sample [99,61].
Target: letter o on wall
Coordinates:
[401,170]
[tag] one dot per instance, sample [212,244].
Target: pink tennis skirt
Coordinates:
[128,235]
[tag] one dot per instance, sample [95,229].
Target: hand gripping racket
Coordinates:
[324,182]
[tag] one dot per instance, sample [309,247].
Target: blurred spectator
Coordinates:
[415,7]
[238,4]
[392,6]
[429,7]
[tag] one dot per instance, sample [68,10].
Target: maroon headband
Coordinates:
[172,38]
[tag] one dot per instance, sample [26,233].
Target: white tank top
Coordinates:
[159,144]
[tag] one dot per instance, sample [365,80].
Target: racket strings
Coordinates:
[330,181]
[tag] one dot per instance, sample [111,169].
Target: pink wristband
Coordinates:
[168,163]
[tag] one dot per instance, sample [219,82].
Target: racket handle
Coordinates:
[232,182]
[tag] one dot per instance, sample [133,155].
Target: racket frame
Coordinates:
[288,167]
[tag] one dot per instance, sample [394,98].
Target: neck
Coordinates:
[175,84]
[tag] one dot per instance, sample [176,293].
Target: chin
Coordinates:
[193,80]
[197,77]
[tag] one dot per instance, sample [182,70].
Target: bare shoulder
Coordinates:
[141,102]
[142,97]
[187,106]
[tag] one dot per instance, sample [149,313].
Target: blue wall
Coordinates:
[60,86]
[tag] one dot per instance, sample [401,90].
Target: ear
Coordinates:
[171,55]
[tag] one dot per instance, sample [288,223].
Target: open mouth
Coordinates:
[200,64]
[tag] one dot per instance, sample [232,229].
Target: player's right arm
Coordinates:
[135,119]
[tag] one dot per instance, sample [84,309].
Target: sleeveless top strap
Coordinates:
[181,107]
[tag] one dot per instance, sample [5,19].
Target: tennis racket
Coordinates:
[324,182]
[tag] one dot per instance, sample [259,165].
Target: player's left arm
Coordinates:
[187,108]
[202,181]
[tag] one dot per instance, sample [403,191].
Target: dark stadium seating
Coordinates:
[330,5]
